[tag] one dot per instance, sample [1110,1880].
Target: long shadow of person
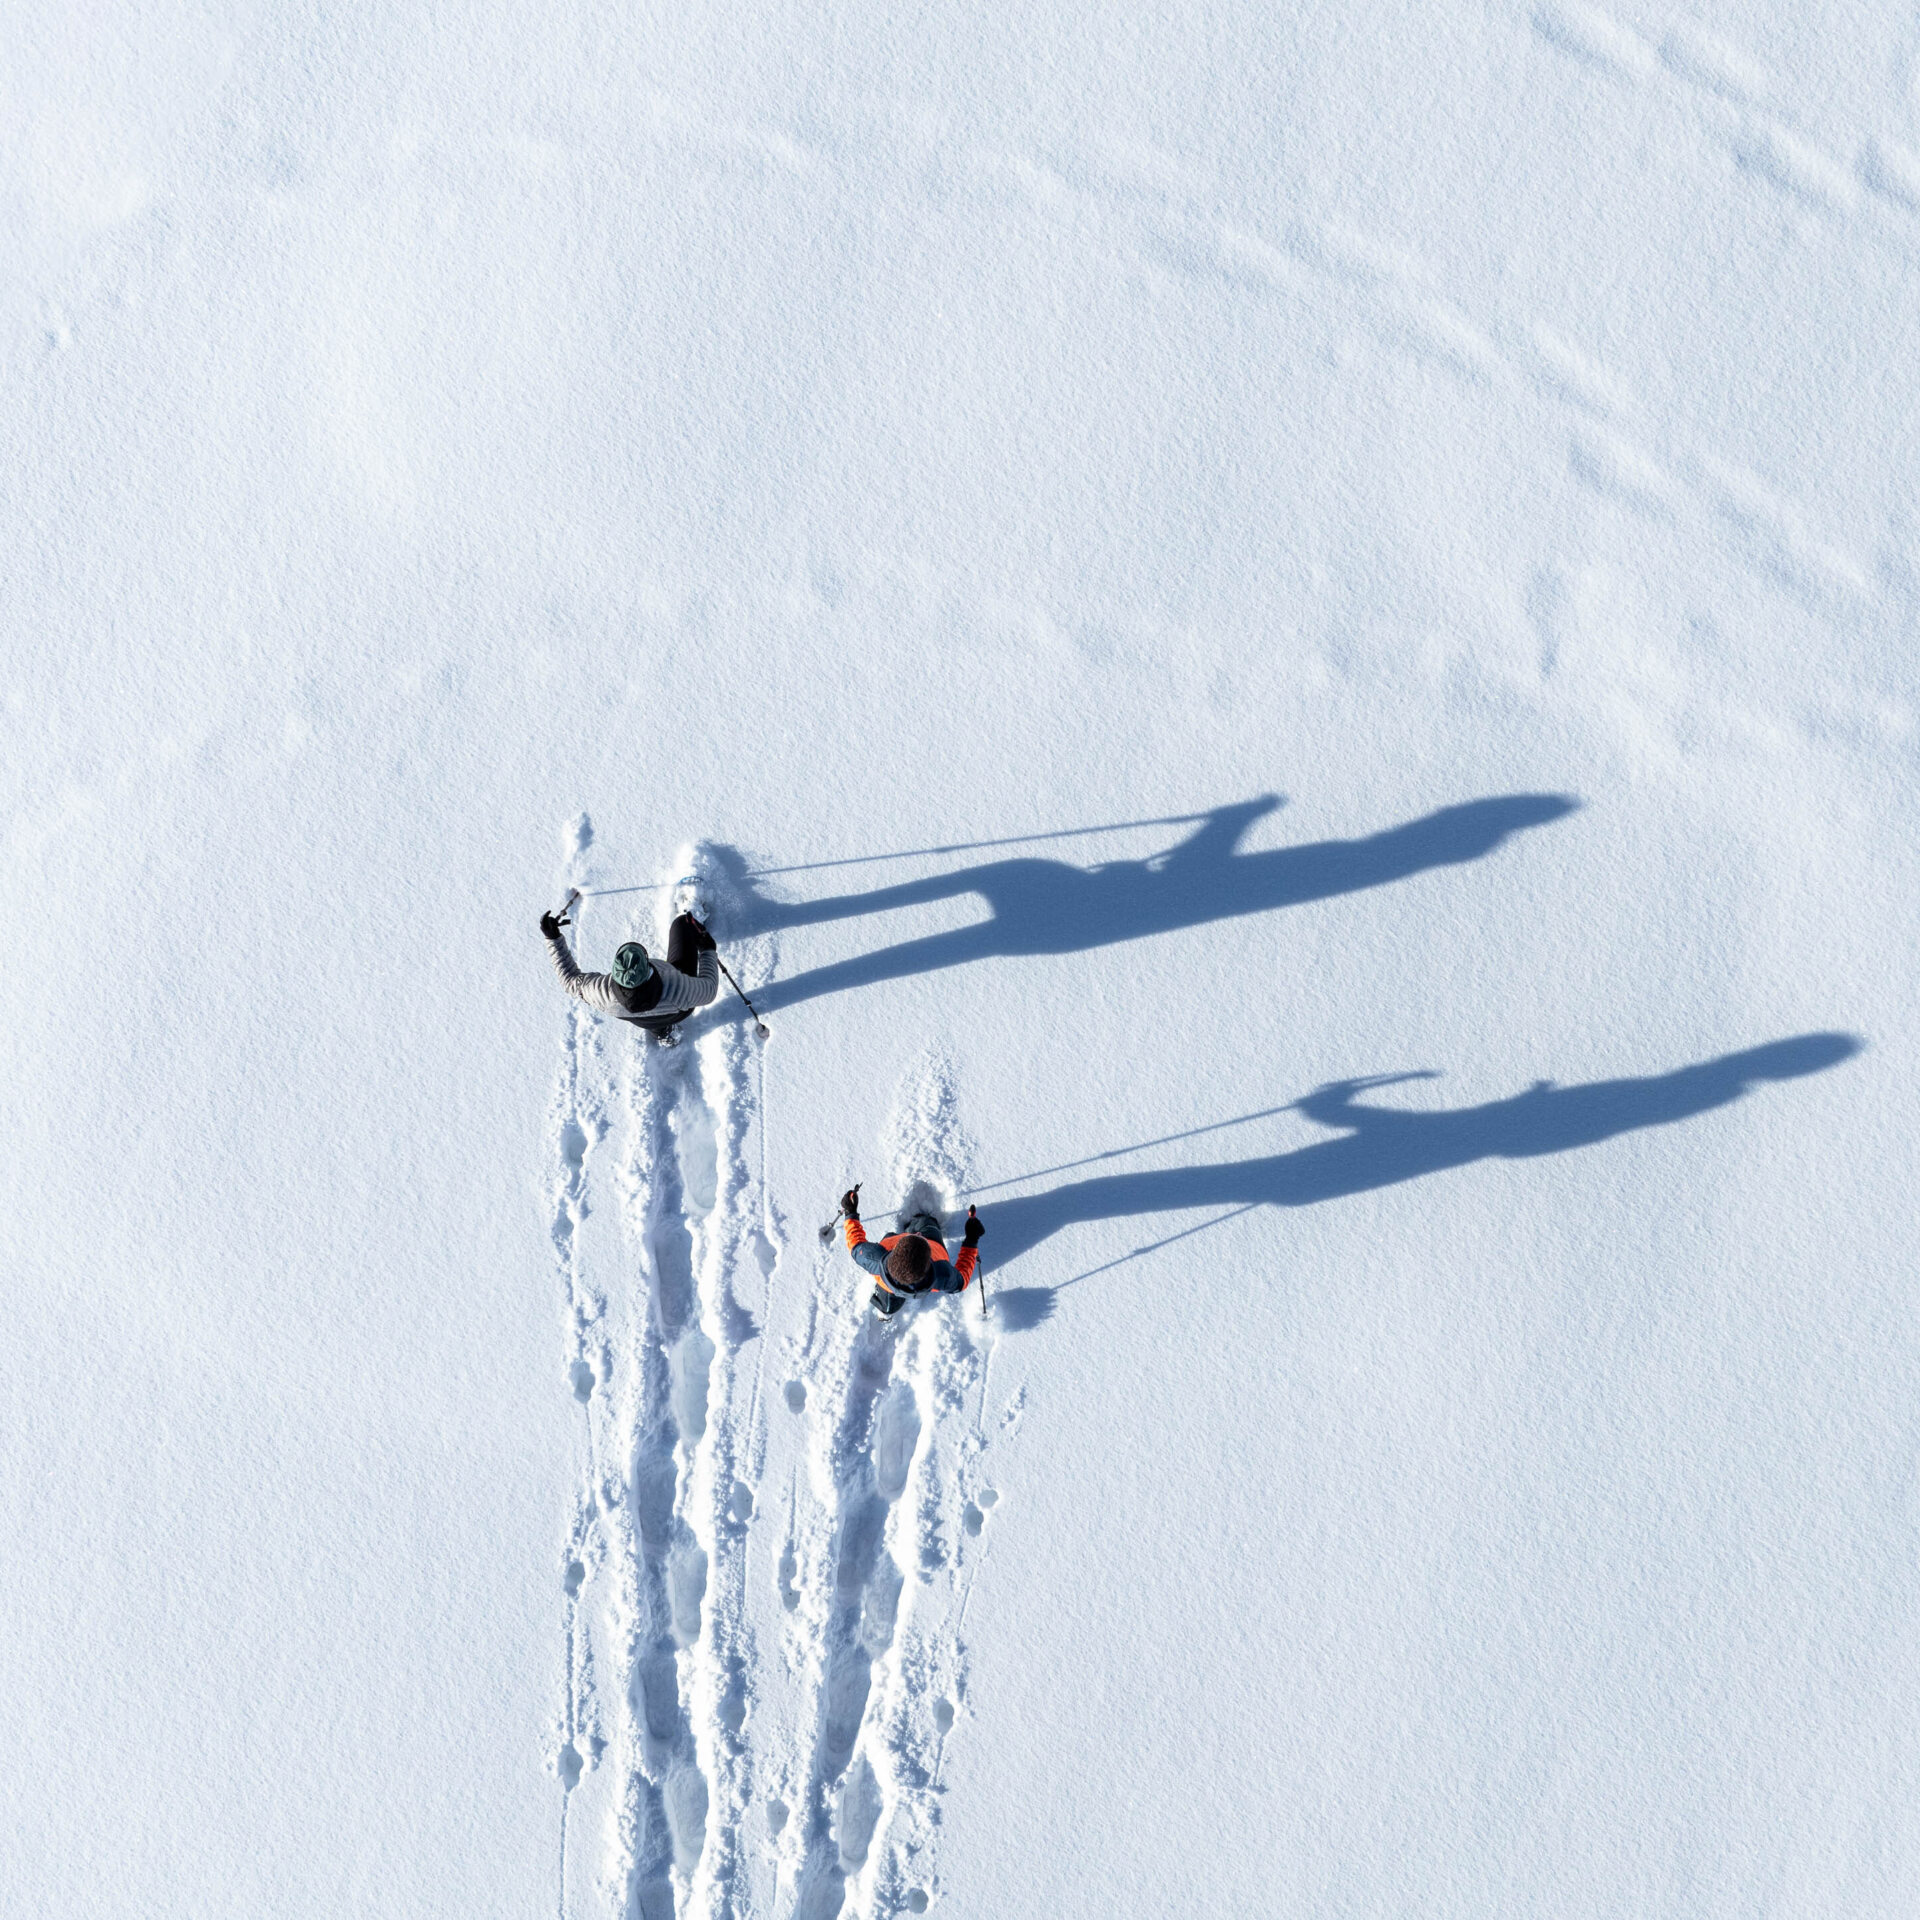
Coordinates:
[1053,907]
[1380,1146]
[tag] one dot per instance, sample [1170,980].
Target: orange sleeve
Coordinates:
[965,1264]
[856,1235]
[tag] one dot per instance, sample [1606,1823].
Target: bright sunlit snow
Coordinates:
[1282,645]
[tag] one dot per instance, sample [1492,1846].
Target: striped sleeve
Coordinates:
[596,989]
[682,992]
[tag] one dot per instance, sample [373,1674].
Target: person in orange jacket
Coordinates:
[913,1260]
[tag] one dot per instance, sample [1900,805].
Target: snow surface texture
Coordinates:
[1286,642]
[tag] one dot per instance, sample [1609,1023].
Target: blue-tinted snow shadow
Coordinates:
[1381,1146]
[1020,1309]
[1040,906]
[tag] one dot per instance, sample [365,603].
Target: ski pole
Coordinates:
[566,907]
[826,1232]
[759,1025]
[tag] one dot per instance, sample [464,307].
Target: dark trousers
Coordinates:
[683,955]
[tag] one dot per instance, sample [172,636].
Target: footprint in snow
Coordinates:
[686,1589]
[691,1366]
[848,1681]
[896,1432]
[974,1516]
[860,1807]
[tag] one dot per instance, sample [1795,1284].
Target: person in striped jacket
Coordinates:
[641,990]
[913,1260]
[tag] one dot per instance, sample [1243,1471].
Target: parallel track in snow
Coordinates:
[767,1574]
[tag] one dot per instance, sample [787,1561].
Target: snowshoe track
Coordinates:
[895,1465]
[764,1575]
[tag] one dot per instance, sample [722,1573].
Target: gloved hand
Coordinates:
[850,1203]
[705,941]
[550,926]
[975,1228]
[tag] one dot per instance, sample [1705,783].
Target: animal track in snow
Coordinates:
[1735,101]
[1892,171]
[1152,210]
[1631,458]
[1596,37]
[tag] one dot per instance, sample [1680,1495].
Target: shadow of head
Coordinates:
[1789,1059]
[1477,827]
[1021,1309]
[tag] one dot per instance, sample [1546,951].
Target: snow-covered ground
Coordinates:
[1285,640]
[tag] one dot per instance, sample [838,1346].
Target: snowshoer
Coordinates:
[913,1260]
[640,989]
